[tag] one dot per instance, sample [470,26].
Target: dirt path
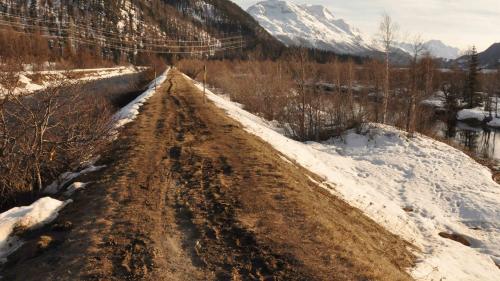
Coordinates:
[189,195]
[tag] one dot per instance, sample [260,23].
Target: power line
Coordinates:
[95,29]
[96,37]
[210,49]
[86,31]
[201,44]
[121,44]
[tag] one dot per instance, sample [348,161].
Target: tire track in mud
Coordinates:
[218,242]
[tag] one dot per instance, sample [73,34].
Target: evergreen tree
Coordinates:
[33,9]
[471,97]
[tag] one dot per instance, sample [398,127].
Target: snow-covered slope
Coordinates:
[308,26]
[415,187]
[435,47]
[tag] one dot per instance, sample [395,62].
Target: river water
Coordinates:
[484,141]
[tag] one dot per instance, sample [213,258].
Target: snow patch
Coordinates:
[480,115]
[129,113]
[53,78]
[75,187]
[437,100]
[36,215]
[64,178]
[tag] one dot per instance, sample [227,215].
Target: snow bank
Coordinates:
[436,101]
[29,86]
[128,113]
[74,187]
[65,178]
[384,173]
[475,113]
[42,212]
[478,114]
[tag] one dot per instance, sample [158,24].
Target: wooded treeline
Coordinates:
[314,101]
[120,30]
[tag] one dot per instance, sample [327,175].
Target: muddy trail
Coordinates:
[189,195]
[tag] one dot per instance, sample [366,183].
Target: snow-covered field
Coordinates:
[51,77]
[415,187]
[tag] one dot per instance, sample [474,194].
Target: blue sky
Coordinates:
[459,23]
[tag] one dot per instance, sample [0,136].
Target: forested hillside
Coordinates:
[126,30]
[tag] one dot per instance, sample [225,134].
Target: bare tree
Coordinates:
[497,92]
[490,85]
[418,47]
[386,36]
[301,69]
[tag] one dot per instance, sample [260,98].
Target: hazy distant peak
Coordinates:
[436,48]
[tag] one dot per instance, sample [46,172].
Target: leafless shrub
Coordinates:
[191,68]
[290,91]
[47,133]
[315,101]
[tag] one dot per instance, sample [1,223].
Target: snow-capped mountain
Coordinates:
[308,26]
[436,48]
[440,50]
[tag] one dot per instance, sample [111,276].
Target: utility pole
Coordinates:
[205,83]
[155,76]
[241,42]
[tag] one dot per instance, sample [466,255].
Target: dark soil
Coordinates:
[455,237]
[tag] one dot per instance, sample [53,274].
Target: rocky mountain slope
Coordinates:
[314,26]
[306,25]
[120,27]
[490,58]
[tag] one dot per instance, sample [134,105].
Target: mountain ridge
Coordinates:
[315,26]
[312,26]
[135,24]
[490,58]
[435,48]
